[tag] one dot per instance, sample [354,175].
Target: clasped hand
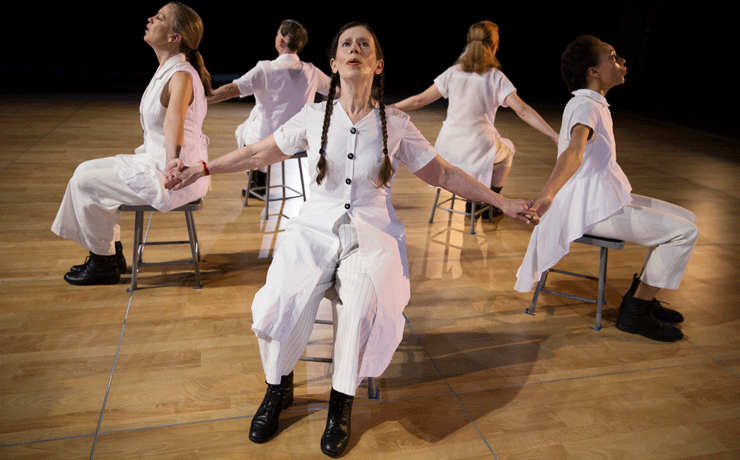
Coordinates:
[178,175]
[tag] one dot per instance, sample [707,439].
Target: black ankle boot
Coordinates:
[120,261]
[636,317]
[336,435]
[265,420]
[96,270]
[664,314]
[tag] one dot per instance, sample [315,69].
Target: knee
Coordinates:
[692,233]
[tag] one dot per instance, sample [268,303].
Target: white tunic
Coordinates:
[281,88]
[354,157]
[468,138]
[597,190]
[145,174]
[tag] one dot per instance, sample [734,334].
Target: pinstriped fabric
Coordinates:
[354,305]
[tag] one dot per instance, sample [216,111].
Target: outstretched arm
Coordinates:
[429,95]
[262,153]
[568,163]
[530,115]
[223,93]
[440,173]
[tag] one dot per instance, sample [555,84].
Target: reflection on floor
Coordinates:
[172,372]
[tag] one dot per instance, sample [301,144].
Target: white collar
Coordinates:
[288,56]
[591,94]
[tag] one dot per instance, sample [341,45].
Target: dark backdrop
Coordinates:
[680,54]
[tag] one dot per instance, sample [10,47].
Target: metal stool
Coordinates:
[265,189]
[473,214]
[140,238]
[605,244]
[372,391]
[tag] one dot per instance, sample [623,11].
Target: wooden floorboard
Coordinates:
[173,372]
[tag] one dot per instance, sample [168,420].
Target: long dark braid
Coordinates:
[386,171]
[321,167]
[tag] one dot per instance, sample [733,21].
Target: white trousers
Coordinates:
[669,231]
[89,211]
[354,304]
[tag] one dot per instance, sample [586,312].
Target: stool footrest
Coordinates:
[605,244]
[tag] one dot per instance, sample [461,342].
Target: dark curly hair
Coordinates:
[580,54]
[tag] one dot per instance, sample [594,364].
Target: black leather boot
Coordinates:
[336,435]
[664,314]
[120,260]
[636,317]
[96,270]
[265,420]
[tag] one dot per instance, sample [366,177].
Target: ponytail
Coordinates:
[188,24]
[480,52]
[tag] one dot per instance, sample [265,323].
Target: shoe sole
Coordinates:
[264,439]
[629,330]
[104,282]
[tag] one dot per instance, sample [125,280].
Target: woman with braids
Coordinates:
[281,88]
[172,111]
[475,88]
[588,192]
[346,243]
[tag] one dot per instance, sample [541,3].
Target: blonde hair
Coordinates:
[479,55]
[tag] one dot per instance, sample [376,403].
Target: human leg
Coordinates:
[670,232]
[501,169]
[354,308]
[278,361]
[89,214]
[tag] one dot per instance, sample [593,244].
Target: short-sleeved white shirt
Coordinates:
[596,191]
[468,137]
[281,87]
[354,156]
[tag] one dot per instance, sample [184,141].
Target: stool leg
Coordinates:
[249,187]
[538,289]
[138,236]
[282,165]
[193,245]
[267,192]
[602,286]
[434,208]
[300,173]
[472,217]
[372,391]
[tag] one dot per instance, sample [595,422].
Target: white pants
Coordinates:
[353,308]
[89,211]
[669,230]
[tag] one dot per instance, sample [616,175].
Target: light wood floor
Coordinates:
[172,372]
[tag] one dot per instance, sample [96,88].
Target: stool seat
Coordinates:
[605,244]
[140,239]
[263,192]
[473,214]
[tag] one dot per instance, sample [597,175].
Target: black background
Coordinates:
[681,55]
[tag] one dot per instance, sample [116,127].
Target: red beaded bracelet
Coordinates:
[205,168]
